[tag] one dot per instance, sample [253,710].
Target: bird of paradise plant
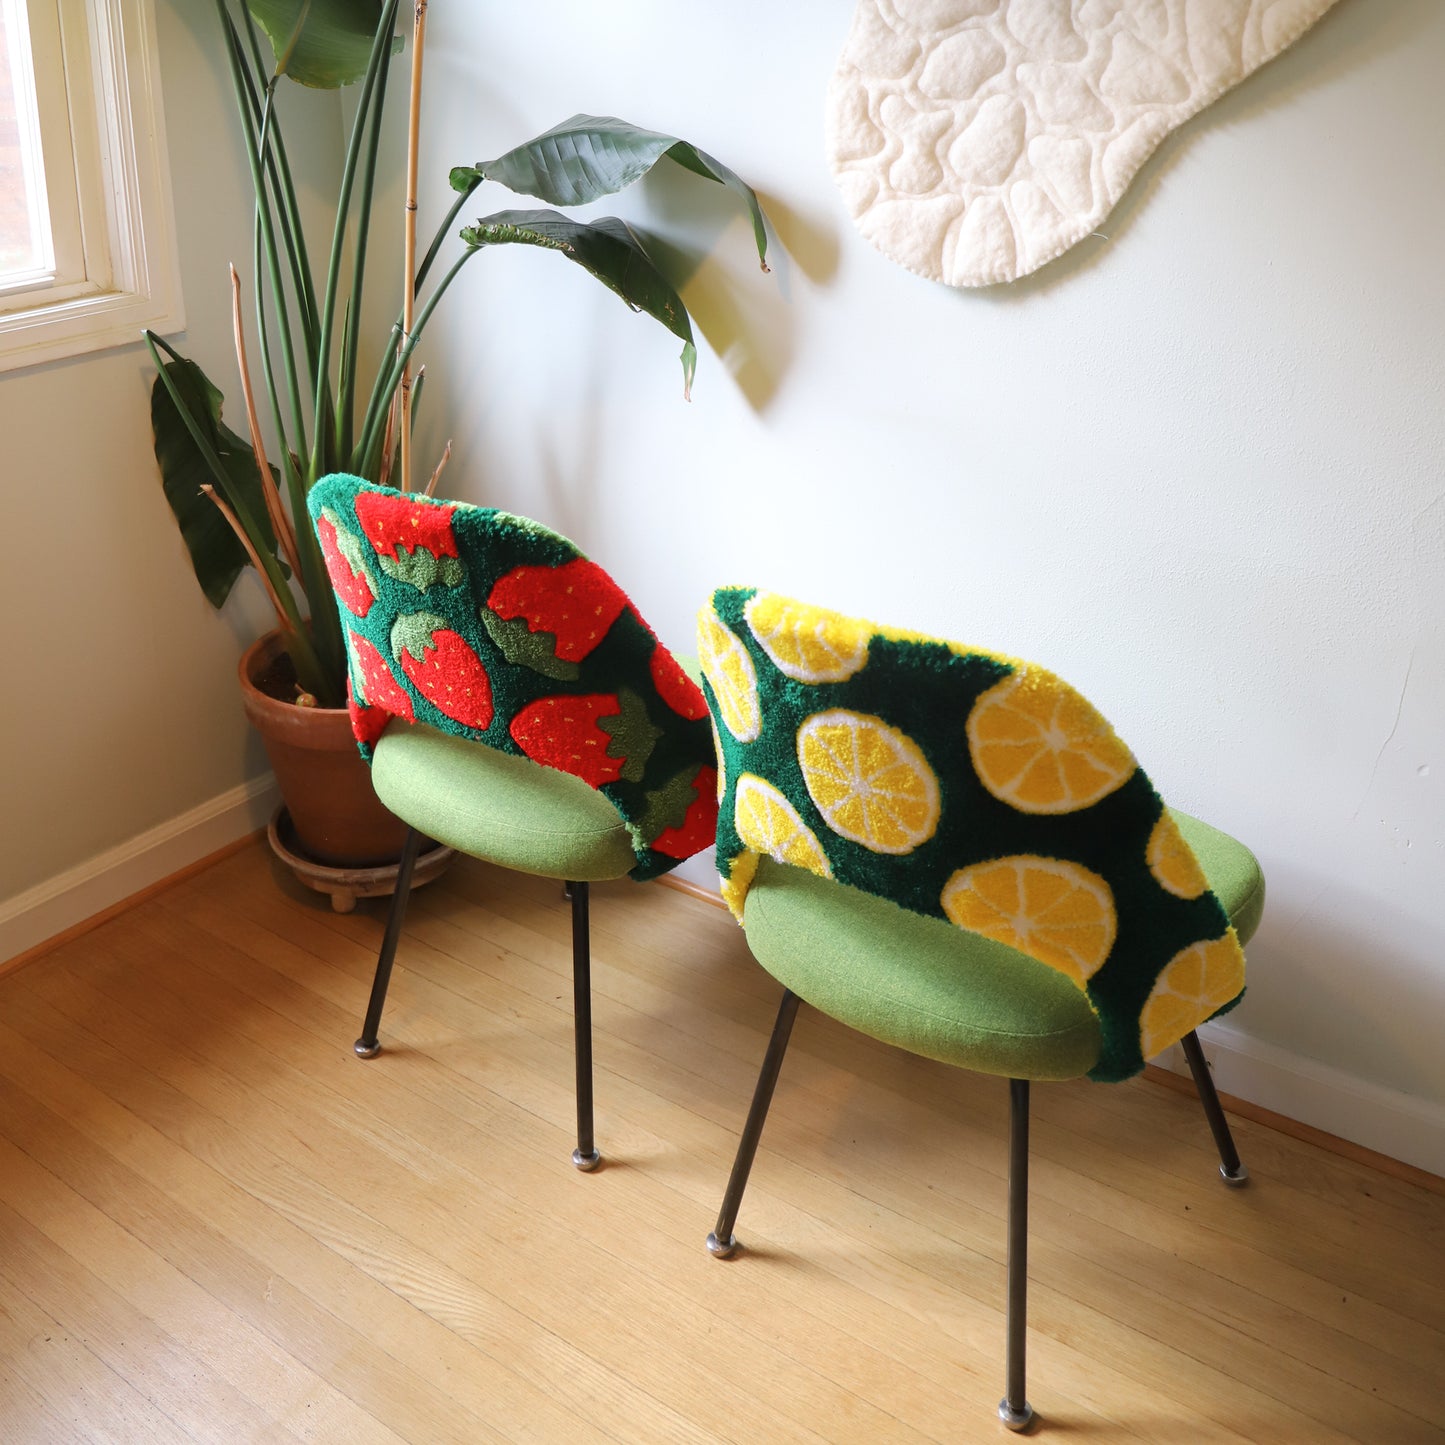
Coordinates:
[234,506]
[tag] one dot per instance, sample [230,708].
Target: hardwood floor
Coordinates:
[216,1224]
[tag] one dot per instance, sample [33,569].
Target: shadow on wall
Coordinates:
[1327,973]
[1348,37]
[739,318]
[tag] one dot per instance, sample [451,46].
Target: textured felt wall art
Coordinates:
[975,140]
[969,786]
[492,627]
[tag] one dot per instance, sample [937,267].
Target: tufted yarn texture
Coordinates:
[969,786]
[976,140]
[496,629]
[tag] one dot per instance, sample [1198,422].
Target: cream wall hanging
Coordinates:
[976,140]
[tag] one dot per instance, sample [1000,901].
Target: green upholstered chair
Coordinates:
[952,851]
[513,705]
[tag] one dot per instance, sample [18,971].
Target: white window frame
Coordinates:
[102,126]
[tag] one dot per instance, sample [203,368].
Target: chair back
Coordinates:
[965,785]
[495,628]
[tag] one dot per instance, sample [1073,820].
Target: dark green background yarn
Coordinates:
[927,690]
[491,543]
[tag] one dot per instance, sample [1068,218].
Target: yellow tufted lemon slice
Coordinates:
[1172,861]
[807,643]
[1041,747]
[1196,983]
[768,823]
[1057,912]
[734,888]
[727,666]
[871,782]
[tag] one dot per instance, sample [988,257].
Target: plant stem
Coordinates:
[263,214]
[380,42]
[390,376]
[380,390]
[346,401]
[287,620]
[431,486]
[408,308]
[280,522]
[278,167]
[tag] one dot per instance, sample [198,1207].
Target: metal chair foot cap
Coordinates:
[1019,1419]
[586,1162]
[1237,1179]
[720,1249]
[364,1050]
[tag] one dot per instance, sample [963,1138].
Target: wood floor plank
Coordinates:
[1327,1397]
[60,1381]
[400,1181]
[216,1222]
[168,1374]
[993,1290]
[842,1358]
[243,1356]
[1355,1313]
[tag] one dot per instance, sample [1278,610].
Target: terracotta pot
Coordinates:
[326,787]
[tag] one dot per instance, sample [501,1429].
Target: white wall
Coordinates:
[1195,467]
[121,713]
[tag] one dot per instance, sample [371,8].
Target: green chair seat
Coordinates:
[917,982]
[500,807]
[936,990]
[1234,874]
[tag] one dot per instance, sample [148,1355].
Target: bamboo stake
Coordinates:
[409,292]
[280,522]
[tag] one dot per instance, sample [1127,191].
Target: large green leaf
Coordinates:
[606,248]
[216,552]
[333,43]
[595,155]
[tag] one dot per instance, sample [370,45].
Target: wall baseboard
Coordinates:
[71,898]
[1384,1121]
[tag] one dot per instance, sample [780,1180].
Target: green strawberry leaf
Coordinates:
[421,568]
[667,806]
[525,648]
[351,547]
[633,735]
[413,633]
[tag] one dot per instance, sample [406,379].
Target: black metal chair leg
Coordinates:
[367,1046]
[721,1242]
[1014,1409]
[1230,1169]
[585,1155]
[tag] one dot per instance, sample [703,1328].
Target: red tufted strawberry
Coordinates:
[412,537]
[378,685]
[345,563]
[367,723]
[598,737]
[576,603]
[443,667]
[675,687]
[698,828]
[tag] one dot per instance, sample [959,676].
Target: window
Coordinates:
[87,245]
